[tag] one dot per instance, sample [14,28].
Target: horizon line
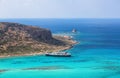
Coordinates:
[59,18]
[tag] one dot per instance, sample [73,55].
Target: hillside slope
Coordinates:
[19,39]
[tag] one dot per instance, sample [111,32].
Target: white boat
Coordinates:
[59,54]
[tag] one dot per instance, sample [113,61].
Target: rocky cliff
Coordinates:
[18,38]
[15,31]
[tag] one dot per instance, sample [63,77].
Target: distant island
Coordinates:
[19,39]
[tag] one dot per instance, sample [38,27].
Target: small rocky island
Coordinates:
[19,39]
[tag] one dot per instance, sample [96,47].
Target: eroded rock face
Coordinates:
[19,35]
[18,39]
[40,34]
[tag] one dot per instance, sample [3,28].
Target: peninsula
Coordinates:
[19,40]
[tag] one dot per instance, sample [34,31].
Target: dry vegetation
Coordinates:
[18,39]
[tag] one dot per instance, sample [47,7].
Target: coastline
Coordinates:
[67,39]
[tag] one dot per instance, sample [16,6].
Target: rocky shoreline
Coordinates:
[24,40]
[70,42]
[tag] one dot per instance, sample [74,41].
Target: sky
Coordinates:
[59,8]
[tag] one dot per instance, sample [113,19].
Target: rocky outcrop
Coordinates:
[18,38]
[15,31]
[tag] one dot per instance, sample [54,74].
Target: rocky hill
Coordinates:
[17,39]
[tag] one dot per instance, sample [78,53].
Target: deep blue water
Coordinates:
[97,55]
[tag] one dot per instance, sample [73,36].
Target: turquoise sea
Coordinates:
[97,55]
